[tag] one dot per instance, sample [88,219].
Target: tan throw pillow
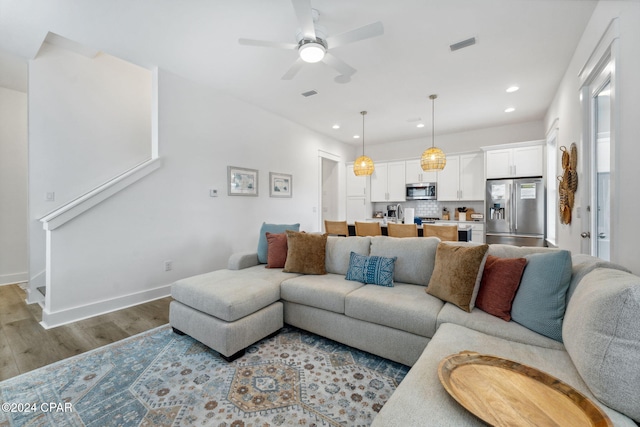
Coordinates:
[305,253]
[455,273]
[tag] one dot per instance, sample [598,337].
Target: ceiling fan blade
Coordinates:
[338,64]
[366,32]
[293,70]
[304,14]
[265,43]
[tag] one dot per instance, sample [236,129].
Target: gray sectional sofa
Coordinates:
[599,355]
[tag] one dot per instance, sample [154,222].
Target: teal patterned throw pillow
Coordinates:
[372,270]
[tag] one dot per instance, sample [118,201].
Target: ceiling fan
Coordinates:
[313,45]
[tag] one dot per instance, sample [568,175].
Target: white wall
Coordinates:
[89,121]
[13,186]
[457,142]
[566,107]
[114,254]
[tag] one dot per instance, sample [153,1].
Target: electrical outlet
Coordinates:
[213,192]
[168,265]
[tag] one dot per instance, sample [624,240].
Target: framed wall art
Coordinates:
[280,185]
[242,181]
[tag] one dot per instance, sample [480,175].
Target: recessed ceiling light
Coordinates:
[356,136]
[420,125]
[336,126]
[509,110]
[512,89]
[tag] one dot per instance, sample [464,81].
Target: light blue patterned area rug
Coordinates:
[159,378]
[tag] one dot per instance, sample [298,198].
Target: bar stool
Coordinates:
[339,228]
[444,232]
[402,230]
[368,229]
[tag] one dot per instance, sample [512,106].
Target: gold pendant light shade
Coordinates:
[433,159]
[363,165]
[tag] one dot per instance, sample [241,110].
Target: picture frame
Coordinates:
[280,185]
[242,181]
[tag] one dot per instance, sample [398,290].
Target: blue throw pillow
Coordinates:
[373,270]
[541,299]
[263,246]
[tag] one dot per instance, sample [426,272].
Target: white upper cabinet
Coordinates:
[462,178]
[523,161]
[414,173]
[356,185]
[449,180]
[472,183]
[388,182]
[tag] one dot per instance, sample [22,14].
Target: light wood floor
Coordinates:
[25,345]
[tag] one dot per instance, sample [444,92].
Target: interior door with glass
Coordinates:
[601,221]
[597,237]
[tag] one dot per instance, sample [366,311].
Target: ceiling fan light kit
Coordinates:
[312,51]
[313,44]
[363,165]
[433,158]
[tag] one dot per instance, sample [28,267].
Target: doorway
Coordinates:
[330,181]
[329,188]
[598,178]
[601,172]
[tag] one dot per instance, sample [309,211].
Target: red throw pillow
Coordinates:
[276,250]
[500,281]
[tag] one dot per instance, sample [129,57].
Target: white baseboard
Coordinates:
[52,320]
[12,279]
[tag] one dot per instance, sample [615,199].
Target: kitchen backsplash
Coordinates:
[431,208]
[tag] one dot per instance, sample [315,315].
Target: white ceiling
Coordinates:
[523,42]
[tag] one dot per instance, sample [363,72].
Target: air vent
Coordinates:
[463,44]
[309,93]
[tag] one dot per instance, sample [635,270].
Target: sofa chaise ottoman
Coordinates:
[598,352]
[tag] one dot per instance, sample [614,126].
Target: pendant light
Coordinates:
[433,159]
[363,165]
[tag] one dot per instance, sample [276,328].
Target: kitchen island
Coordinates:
[464,231]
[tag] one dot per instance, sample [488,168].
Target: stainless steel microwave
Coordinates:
[422,191]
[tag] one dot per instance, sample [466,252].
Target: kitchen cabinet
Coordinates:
[357,206]
[477,232]
[357,209]
[388,182]
[523,161]
[414,173]
[462,178]
[477,229]
[356,185]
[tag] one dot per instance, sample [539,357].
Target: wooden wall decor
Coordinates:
[568,182]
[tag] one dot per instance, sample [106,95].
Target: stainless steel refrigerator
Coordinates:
[516,211]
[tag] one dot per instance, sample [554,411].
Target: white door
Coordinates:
[528,161]
[379,183]
[472,183]
[356,185]
[356,209]
[499,163]
[330,190]
[396,186]
[601,241]
[449,180]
